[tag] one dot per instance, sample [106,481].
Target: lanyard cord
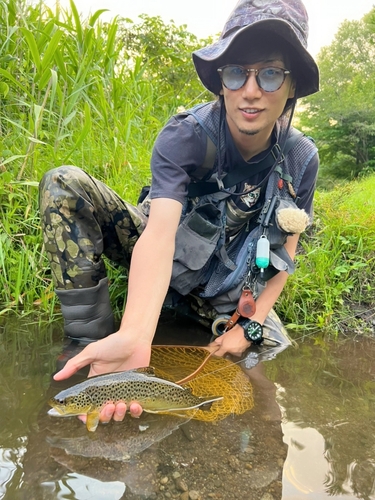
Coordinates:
[279,158]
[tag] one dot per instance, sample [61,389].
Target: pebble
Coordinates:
[184,496]
[181,485]
[267,496]
[248,450]
[188,432]
[164,480]
[194,495]
[234,463]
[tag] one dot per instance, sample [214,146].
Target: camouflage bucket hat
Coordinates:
[286,18]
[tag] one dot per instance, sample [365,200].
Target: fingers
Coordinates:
[227,345]
[213,347]
[135,410]
[108,412]
[117,412]
[74,364]
[217,348]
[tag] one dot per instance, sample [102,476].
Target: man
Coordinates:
[190,237]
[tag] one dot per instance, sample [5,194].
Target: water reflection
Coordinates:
[327,396]
[80,487]
[310,435]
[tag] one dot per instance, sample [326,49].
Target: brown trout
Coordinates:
[154,394]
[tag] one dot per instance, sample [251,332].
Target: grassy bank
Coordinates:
[95,95]
[82,92]
[333,288]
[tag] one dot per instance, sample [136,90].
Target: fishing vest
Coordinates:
[204,263]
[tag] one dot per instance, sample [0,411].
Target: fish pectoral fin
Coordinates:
[92,420]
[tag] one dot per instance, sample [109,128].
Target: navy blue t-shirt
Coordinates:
[180,150]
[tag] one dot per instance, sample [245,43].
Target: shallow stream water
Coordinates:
[310,435]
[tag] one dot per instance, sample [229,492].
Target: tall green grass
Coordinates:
[334,279]
[69,94]
[93,94]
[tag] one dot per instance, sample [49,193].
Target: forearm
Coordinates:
[150,270]
[148,283]
[269,296]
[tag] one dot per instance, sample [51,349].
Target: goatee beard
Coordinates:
[248,132]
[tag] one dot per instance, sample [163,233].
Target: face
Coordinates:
[253,112]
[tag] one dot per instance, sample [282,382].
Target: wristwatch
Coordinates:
[253,331]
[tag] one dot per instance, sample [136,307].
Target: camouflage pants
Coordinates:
[82,219]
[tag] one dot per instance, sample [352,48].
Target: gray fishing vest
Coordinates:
[203,263]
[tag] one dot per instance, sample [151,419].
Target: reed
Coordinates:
[95,95]
[69,94]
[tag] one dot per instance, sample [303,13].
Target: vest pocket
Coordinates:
[196,241]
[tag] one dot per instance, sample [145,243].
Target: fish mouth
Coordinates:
[56,413]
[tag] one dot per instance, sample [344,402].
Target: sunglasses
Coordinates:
[269,79]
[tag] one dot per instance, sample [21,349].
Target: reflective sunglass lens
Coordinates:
[234,77]
[270,79]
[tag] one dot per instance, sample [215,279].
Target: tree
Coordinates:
[341,117]
[165,55]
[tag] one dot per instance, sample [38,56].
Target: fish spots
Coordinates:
[153,393]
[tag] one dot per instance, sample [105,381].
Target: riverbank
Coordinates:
[332,290]
[94,95]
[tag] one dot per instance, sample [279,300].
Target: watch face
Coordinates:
[254,332]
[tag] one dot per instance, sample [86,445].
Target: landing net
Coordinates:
[218,377]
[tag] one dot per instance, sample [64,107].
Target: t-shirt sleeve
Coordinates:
[307,186]
[179,150]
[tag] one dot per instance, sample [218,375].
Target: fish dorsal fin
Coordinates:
[146,370]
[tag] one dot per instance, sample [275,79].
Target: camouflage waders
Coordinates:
[82,219]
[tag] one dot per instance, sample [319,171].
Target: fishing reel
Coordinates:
[218,326]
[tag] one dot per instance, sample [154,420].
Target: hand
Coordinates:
[231,342]
[117,352]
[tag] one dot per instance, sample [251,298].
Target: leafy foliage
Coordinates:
[83,92]
[341,117]
[165,54]
[96,94]
[336,262]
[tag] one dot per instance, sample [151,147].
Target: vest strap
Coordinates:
[238,175]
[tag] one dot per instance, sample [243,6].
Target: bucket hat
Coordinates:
[286,18]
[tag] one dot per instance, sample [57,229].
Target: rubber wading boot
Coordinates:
[87,312]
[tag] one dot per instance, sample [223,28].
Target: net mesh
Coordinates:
[218,377]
